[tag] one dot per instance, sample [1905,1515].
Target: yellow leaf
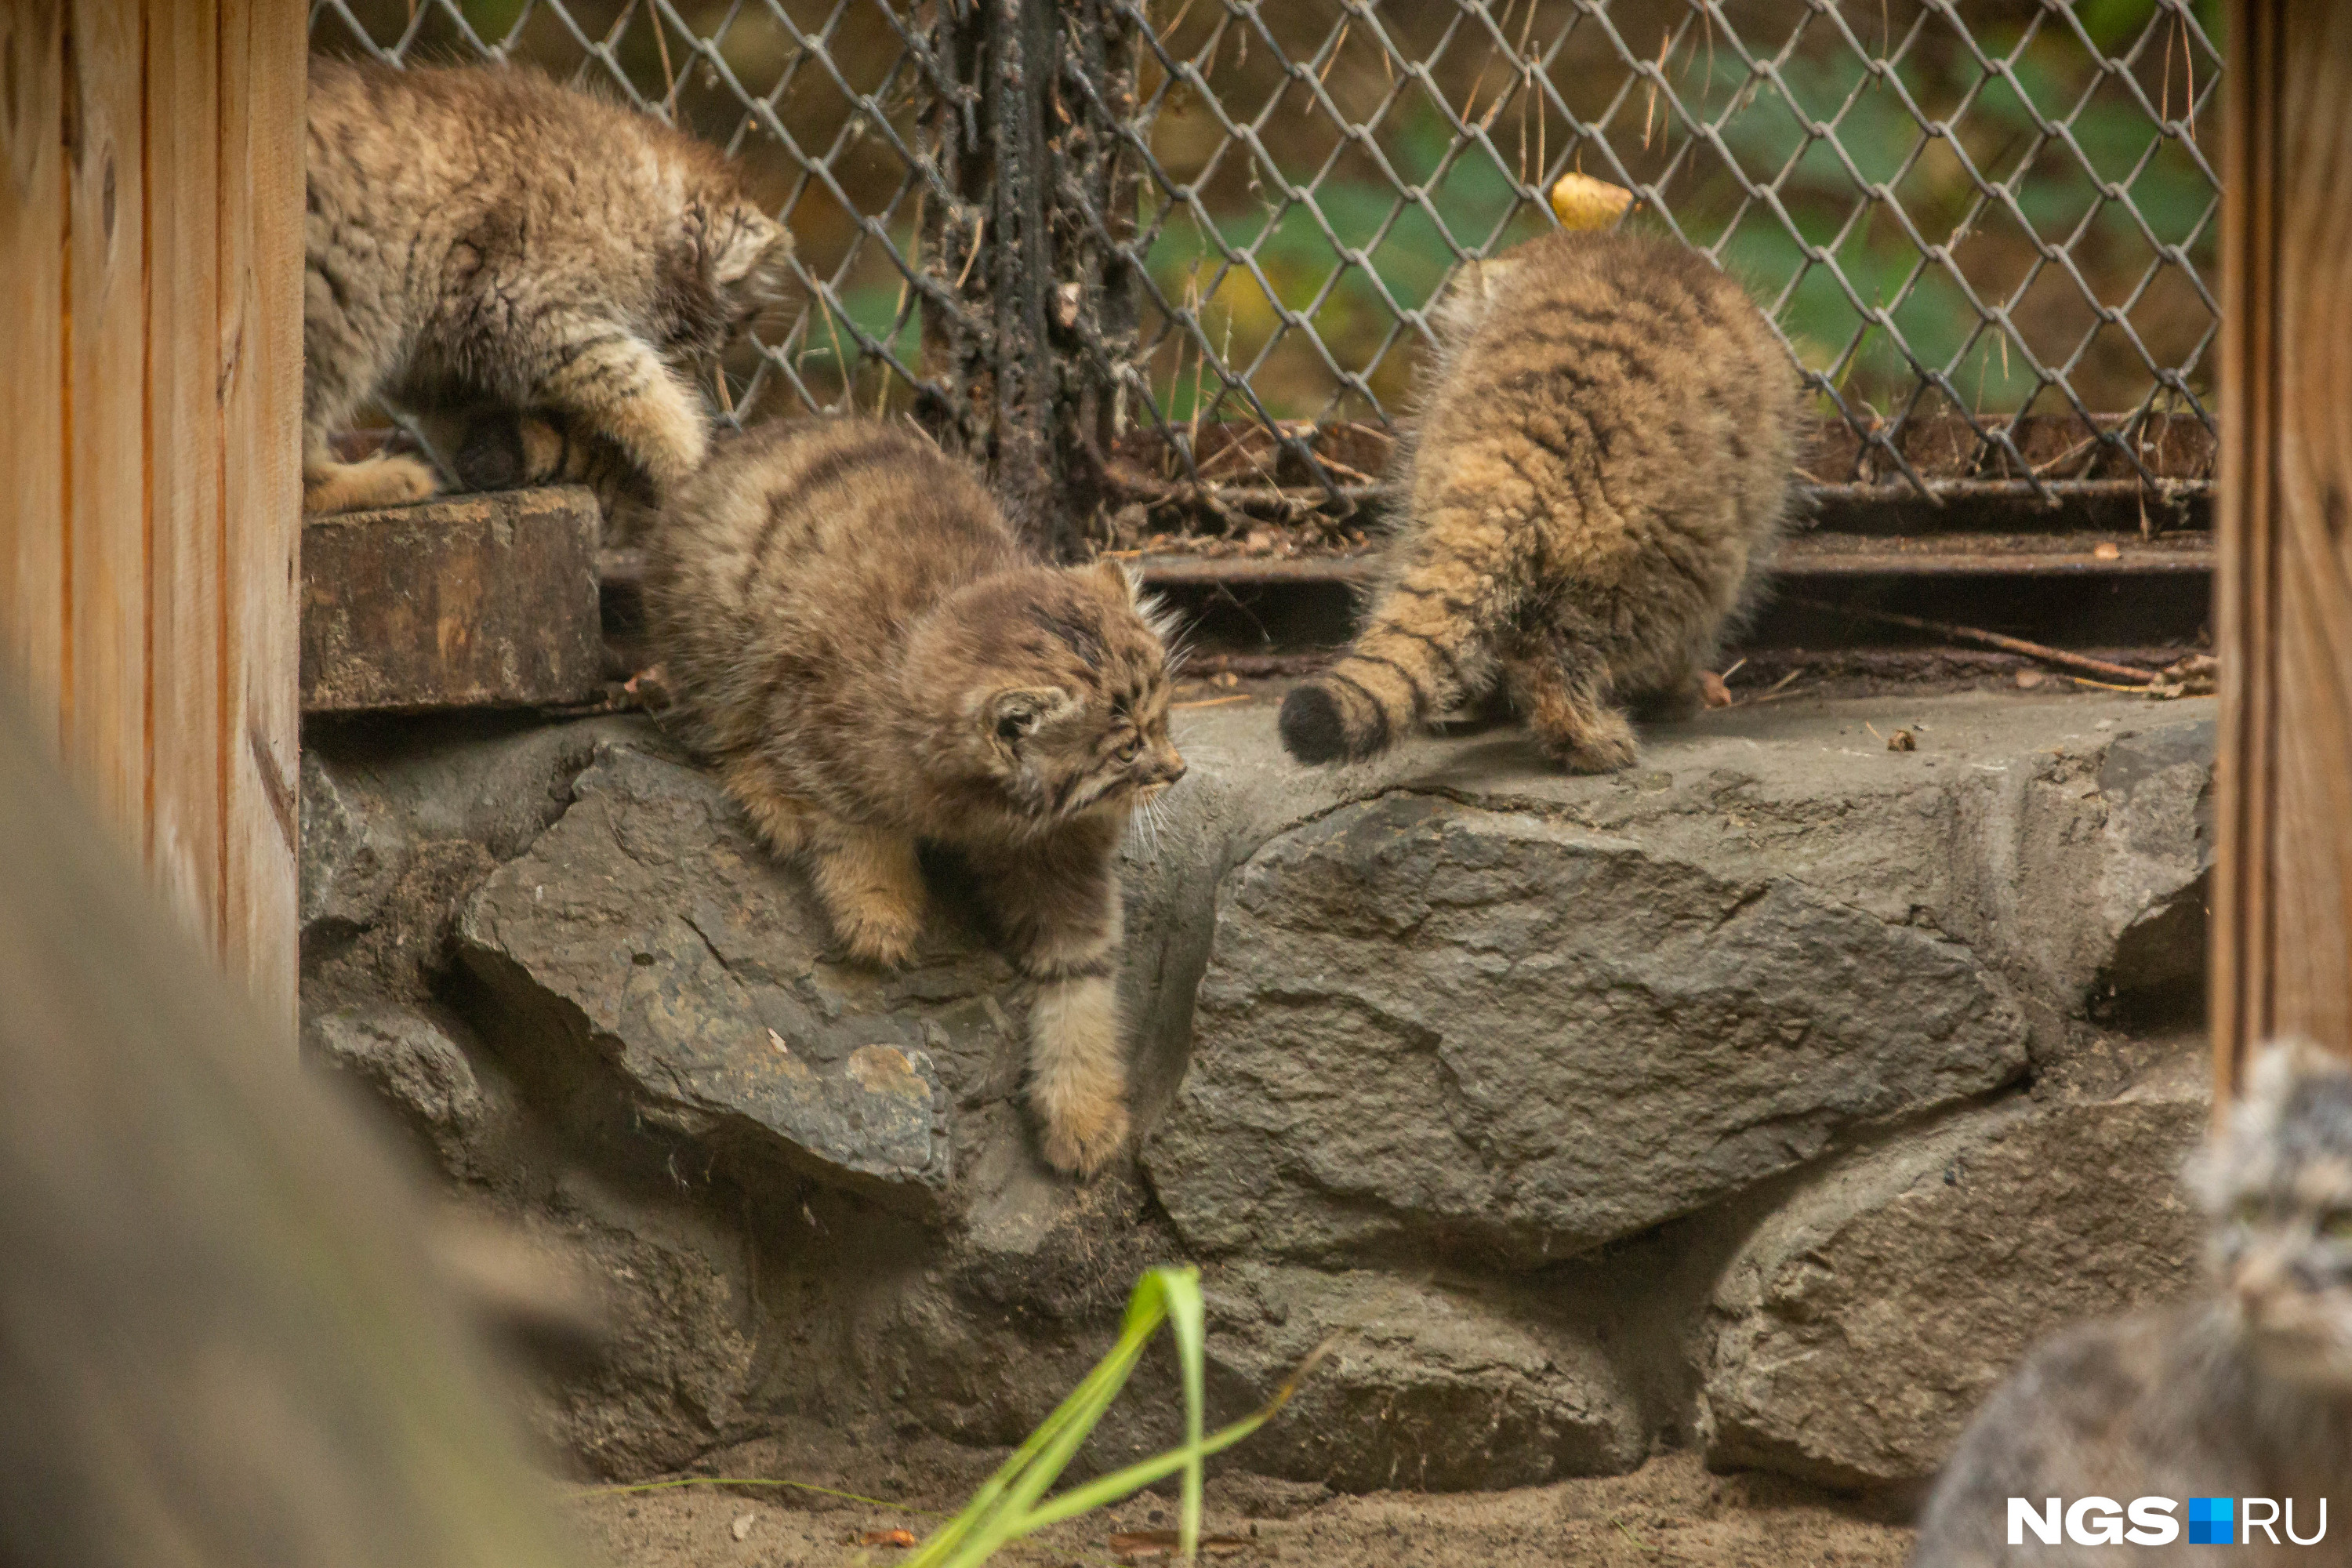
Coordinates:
[1580,201]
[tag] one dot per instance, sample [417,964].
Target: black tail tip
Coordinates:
[1312,728]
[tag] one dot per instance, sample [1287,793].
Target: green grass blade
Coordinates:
[994,1515]
[1007,1507]
[1109,1489]
[1187,1319]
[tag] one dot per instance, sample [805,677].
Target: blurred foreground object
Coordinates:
[2245,1394]
[219,1339]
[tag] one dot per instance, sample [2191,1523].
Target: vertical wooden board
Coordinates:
[262,58]
[2244,616]
[32,345]
[184,435]
[106,564]
[2311,847]
[2282,890]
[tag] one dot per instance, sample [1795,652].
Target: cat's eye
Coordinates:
[2336,1224]
[1132,750]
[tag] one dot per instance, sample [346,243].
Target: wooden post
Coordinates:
[151,211]
[2281,954]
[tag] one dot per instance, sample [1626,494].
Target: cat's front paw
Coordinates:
[1604,745]
[1082,1136]
[380,481]
[883,938]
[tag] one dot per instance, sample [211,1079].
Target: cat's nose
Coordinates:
[1171,767]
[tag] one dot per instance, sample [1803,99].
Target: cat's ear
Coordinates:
[751,257]
[1115,577]
[1013,714]
[1467,296]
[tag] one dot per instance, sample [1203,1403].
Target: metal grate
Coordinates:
[1986,230]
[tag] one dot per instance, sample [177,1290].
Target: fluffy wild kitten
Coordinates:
[1605,447]
[859,643]
[485,236]
[2248,1392]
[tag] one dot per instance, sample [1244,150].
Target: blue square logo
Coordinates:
[2213,1521]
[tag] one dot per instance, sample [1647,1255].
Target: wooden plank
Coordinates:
[185,798]
[259,378]
[106,315]
[32,300]
[2281,955]
[469,602]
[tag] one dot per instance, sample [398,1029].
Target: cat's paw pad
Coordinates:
[1081,1138]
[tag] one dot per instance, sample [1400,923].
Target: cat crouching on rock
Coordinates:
[858,643]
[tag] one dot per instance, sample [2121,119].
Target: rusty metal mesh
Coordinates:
[1960,214]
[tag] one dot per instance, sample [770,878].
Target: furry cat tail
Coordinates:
[1423,653]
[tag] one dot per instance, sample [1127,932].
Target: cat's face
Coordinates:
[1066,704]
[729,262]
[2278,1183]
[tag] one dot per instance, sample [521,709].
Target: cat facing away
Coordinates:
[2246,1393]
[860,645]
[484,237]
[1603,460]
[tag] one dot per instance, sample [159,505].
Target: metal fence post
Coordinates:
[1030,247]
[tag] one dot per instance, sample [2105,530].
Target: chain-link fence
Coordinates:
[1985,231]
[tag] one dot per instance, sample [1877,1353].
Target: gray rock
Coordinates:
[669,1380]
[354,848]
[1854,1335]
[655,934]
[2157,874]
[1426,1387]
[1425,1026]
[410,1063]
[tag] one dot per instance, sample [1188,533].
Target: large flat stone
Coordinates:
[1475,1007]
[661,938]
[1857,1330]
[1425,1024]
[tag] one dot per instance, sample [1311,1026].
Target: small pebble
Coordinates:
[742,1525]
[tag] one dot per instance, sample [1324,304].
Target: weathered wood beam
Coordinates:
[481,601]
[2282,926]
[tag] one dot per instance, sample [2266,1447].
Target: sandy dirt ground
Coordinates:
[1670,1512]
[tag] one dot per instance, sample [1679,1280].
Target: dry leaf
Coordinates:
[1902,741]
[887,1538]
[1712,691]
[742,1525]
[1580,201]
[2106,550]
